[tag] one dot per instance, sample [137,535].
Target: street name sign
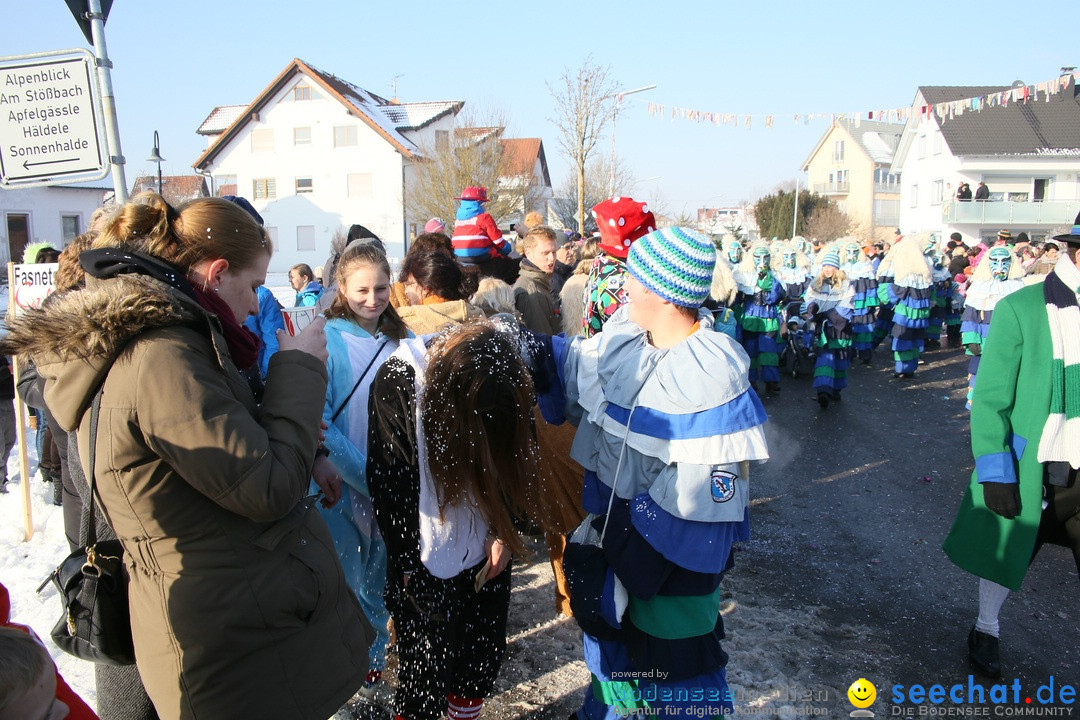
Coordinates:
[50,120]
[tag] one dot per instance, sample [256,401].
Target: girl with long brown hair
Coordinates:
[451,462]
[363,330]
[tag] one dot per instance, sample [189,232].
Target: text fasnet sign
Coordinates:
[50,112]
[30,285]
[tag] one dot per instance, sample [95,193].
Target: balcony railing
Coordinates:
[1047,212]
[833,188]
[886,188]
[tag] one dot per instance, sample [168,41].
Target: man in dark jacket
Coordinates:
[532,291]
[982,193]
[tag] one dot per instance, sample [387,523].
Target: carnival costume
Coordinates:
[760,295]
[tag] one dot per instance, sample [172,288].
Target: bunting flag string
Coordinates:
[943,111]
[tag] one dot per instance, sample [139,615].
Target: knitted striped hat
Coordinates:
[675,263]
[831,259]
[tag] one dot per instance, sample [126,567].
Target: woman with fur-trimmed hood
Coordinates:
[909,291]
[237,599]
[760,294]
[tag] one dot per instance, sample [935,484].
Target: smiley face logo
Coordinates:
[862,693]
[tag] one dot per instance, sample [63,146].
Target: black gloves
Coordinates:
[1002,498]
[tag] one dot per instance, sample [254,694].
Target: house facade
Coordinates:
[175,189]
[1027,155]
[315,154]
[850,165]
[53,215]
[525,174]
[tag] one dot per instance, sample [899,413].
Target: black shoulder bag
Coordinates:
[93,587]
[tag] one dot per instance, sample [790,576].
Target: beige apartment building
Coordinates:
[850,165]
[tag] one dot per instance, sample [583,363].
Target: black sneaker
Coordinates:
[836,396]
[983,653]
[823,399]
[772,387]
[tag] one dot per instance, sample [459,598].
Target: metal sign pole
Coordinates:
[108,100]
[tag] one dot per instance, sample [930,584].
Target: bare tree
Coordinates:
[597,179]
[472,155]
[827,223]
[584,102]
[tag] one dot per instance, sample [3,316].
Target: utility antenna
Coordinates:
[393,84]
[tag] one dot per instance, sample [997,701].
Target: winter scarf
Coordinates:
[243,344]
[1061,435]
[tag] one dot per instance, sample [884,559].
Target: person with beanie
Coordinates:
[435,225]
[830,301]
[476,238]
[1024,492]
[621,221]
[642,590]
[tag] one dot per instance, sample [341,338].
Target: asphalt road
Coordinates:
[848,518]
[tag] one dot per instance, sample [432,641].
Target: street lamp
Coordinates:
[155,157]
[614,113]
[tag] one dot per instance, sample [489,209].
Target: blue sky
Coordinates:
[175,61]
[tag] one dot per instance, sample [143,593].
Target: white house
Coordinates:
[1027,154]
[52,215]
[314,153]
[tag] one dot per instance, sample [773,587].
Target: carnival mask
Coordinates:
[1000,262]
[734,253]
[851,254]
[789,258]
[761,261]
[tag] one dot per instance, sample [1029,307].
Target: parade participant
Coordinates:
[943,295]
[760,295]
[655,501]
[910,293]
[438,289]
[452,461]
[864,300]
[792,269]
[302,280]
[1024,491]
[996,277]
[620,221]
[363,330]
[883,273]
[829,301]
[204,490]
[477,239]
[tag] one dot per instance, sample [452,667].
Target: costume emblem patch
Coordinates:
[723,485]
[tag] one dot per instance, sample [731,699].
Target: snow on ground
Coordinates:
[543,675]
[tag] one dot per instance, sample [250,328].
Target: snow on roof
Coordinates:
[220,118]
[880,148]
[413,116]
[370,104]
